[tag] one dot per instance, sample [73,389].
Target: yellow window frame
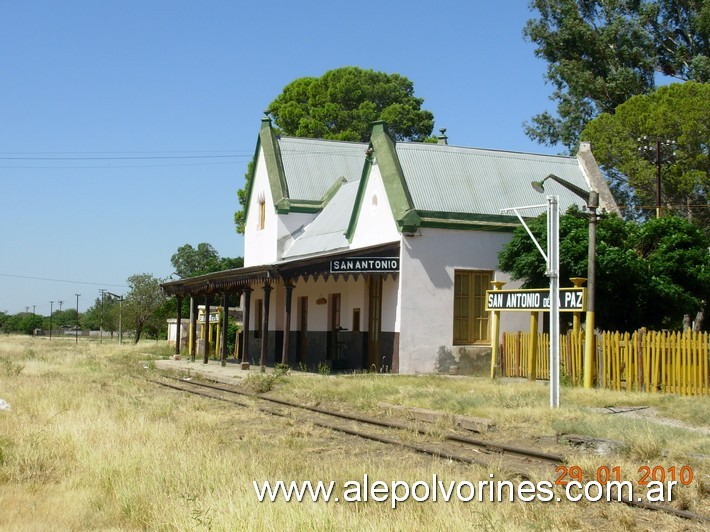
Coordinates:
[471,323]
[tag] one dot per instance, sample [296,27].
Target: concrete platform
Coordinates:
[232,373]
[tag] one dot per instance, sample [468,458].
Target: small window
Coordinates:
[262,214]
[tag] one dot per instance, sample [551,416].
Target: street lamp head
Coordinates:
[539,186]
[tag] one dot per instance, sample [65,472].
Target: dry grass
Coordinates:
[89,444]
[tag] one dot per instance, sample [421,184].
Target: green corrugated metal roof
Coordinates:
[443,178]
[312,166]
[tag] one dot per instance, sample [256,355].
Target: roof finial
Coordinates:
[442,139]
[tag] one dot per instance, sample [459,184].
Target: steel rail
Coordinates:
[494,447]
[353,432]
[544,457]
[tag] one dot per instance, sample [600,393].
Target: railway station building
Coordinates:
[377,256]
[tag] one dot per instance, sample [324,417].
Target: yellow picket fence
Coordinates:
[516,347]
[640,361]
[655,361]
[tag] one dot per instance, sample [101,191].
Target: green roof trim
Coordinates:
[310,206]
[274,165]
[274,169]
[407,218]
[250,178]
[278,184]
[398,193]
[298,206]
[398,196]
[355,214]
[467,221]
[333,190]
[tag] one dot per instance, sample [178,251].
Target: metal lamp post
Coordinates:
[592,199]
[101,322]
[120,316]
[552,260]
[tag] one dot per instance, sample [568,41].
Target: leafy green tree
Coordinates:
[678,112]
[23,323]
[12,324]
[190,262]
[102,315]
[647,275]
[143,304]
[602,52]
[239,219]
[341,105]
[65,318]
[92,317]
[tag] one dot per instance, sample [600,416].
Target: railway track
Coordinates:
[515,461]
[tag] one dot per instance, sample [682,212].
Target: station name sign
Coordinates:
[571,300]
[365,264]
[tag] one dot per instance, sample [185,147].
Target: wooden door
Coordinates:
[374,327]
[302,329]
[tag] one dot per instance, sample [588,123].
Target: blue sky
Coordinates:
[126,126]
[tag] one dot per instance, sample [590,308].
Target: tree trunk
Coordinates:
[139,330]
[699,318]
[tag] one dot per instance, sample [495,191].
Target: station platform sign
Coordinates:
[571,300]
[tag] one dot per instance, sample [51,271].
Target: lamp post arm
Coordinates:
[584,194]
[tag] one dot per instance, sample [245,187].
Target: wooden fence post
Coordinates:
[640,385]
[532,347]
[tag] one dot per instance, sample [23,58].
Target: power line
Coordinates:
[116,152]
[122,158]
[118,167]
[60,280]
[668,206]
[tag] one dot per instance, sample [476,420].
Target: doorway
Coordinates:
[334,328]
[374,325]
[302,330]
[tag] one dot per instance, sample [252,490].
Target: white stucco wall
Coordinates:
[426,292]
[375,223]
[353,294]
[260,245]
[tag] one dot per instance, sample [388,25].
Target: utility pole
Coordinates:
[120,316]
[76,330]
[101,323]
[653,152]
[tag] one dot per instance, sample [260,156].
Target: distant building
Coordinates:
[215,314]
[378,255]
